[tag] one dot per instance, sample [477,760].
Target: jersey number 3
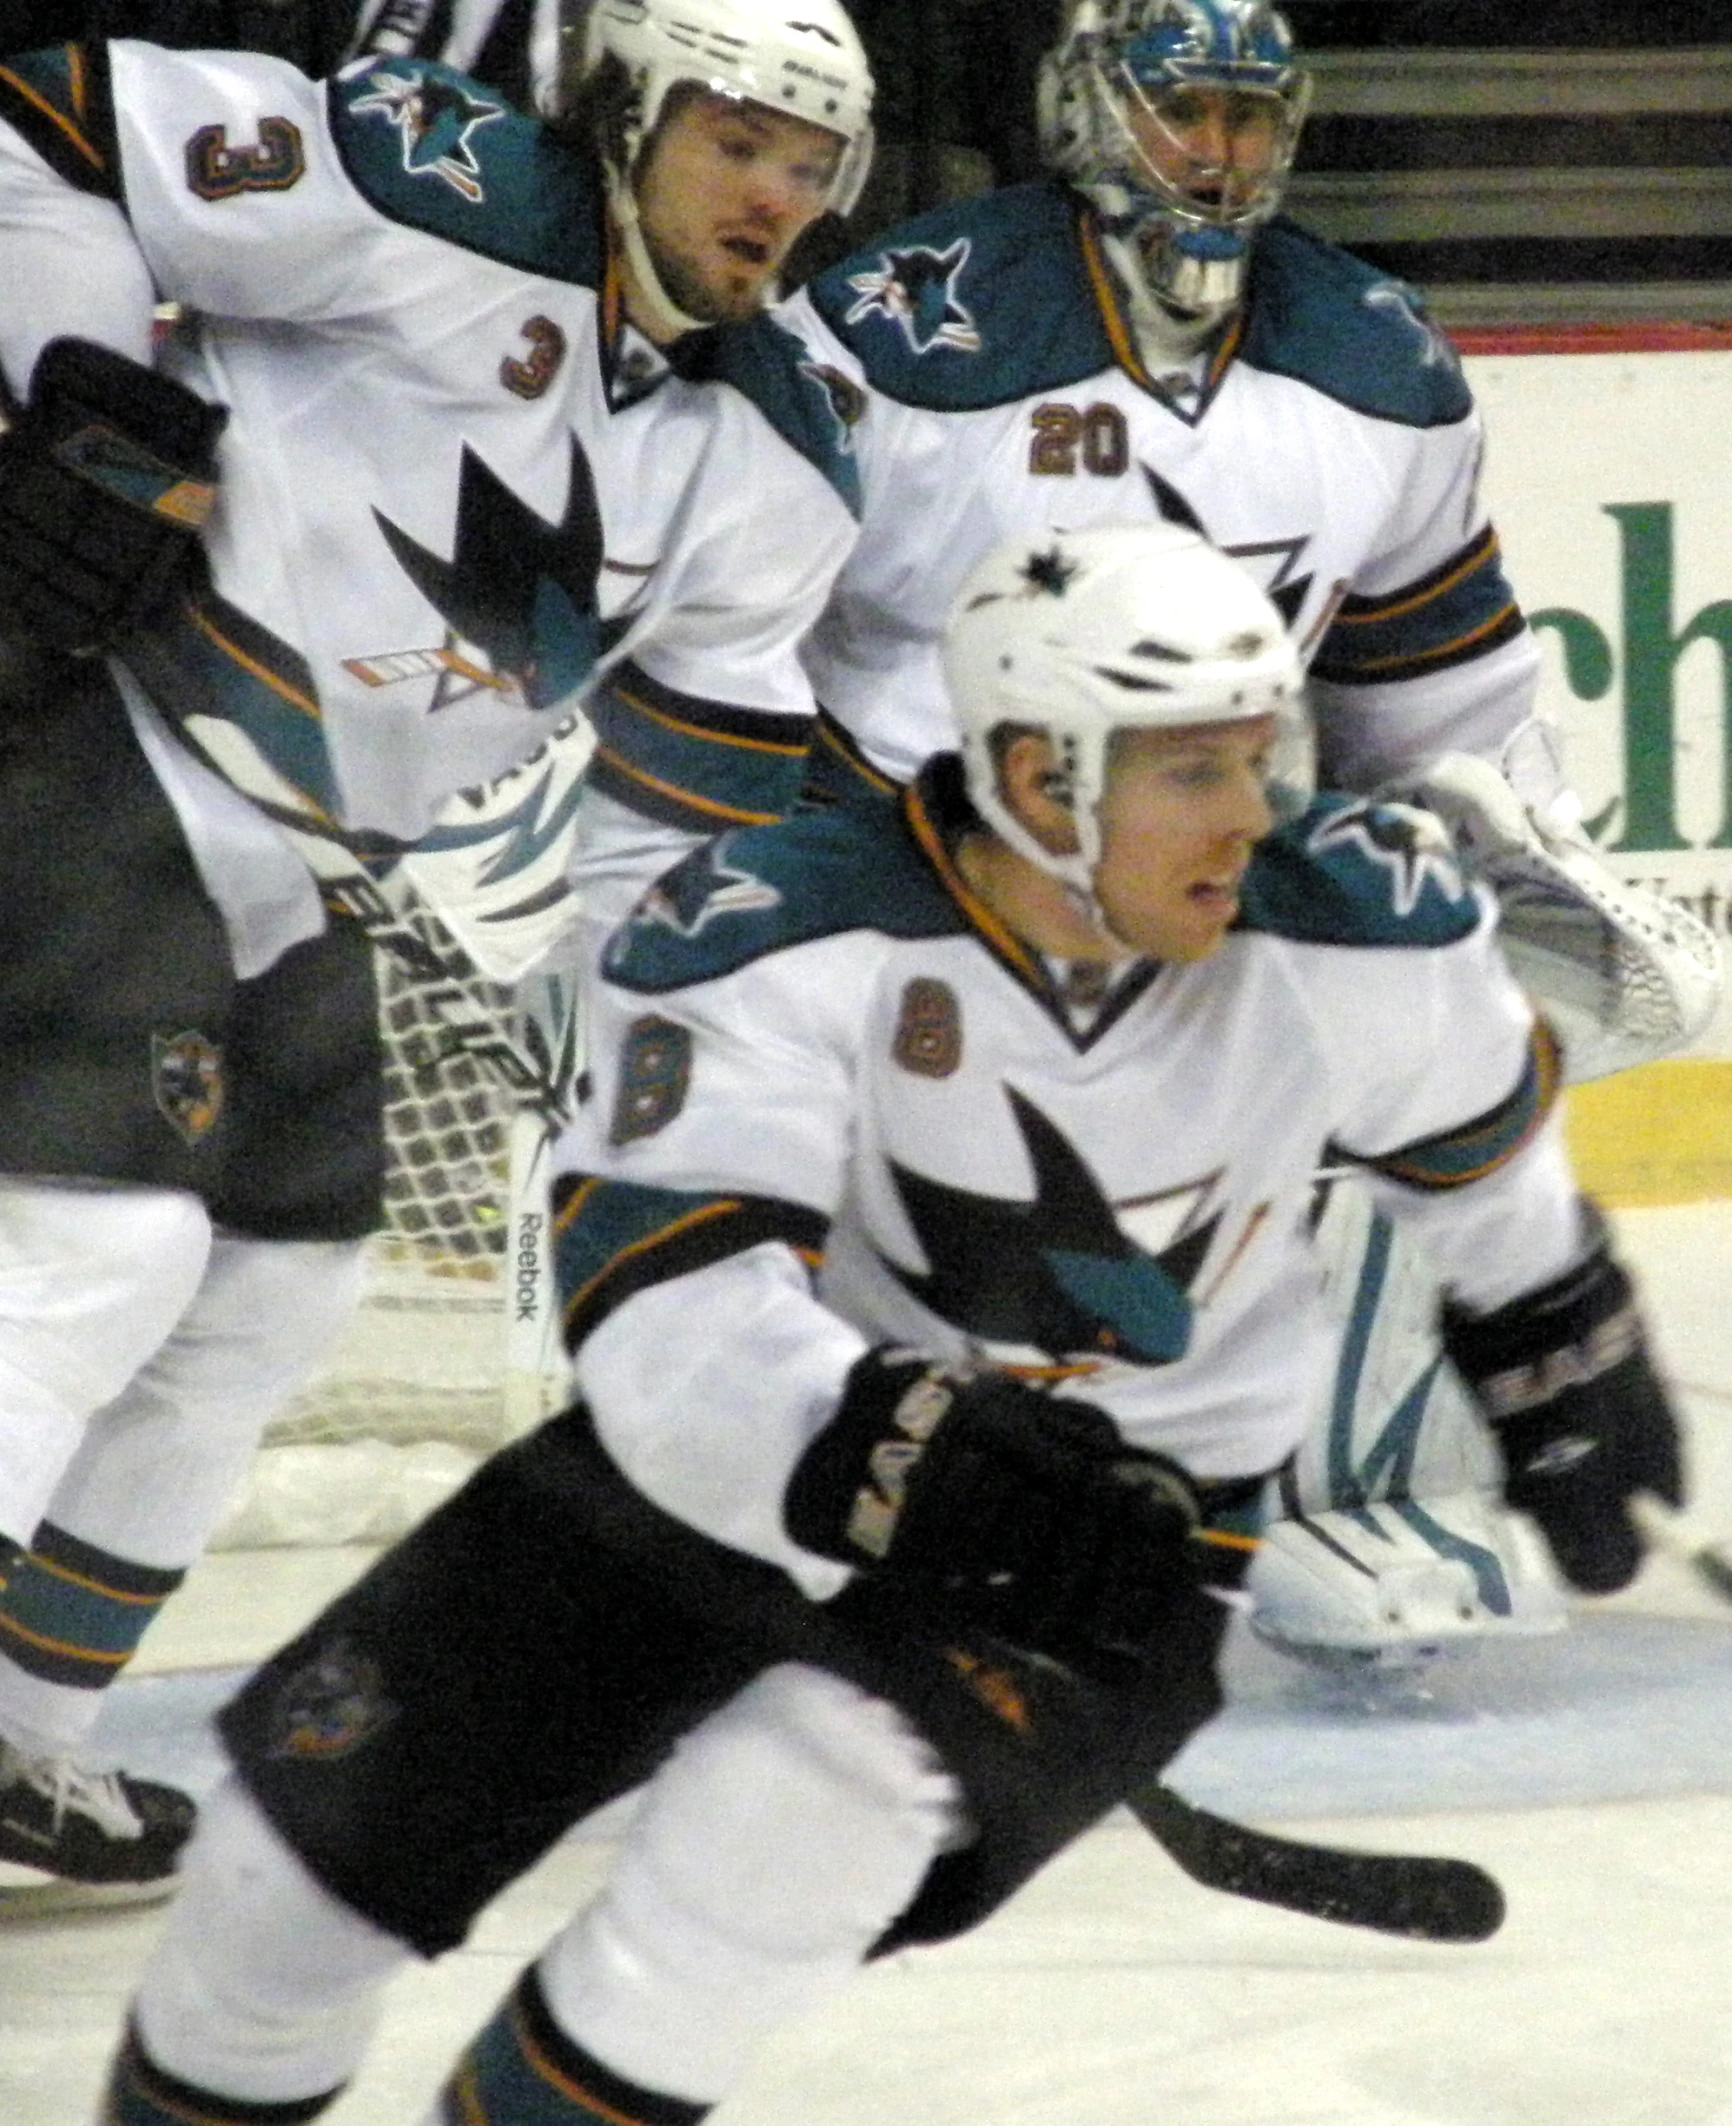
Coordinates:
[214,170]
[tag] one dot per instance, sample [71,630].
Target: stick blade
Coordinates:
[1419,1896]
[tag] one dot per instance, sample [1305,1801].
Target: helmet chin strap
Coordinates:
[668,321]
[1075,873]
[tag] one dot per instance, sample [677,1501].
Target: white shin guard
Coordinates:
[92,1280]
[159,1465]
[262,1985]
[770,1852]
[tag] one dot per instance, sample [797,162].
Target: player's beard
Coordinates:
[697,293]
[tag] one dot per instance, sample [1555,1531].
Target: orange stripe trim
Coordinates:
[977,912]
[691,1220]
[61,1646]
[576,1201]
[1106,300]
[1548,1074]
[557,2078]
[612,291]
[829,735]
[1477,557]
[718,738]
[55,117]
[685,797]
[1224,1539]
[1225,352]
[78,1579]
[292,695]
[467,2092]
[1445,649]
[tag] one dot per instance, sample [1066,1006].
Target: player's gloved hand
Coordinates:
[105,477]
[1578,1412]
[1027,1514]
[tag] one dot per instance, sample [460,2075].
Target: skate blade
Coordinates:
[54,1897]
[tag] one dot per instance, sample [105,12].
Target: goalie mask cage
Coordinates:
[442,1363]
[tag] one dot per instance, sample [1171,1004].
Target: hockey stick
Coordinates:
[1417,1895]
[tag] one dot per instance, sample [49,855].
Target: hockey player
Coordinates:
[478,445]
[935,1250]
[1143,337]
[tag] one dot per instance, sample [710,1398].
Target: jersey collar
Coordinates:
[1121,337]
[937,813]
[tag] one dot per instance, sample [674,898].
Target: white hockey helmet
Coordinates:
[1116,57]
[1130,627]
[803,57]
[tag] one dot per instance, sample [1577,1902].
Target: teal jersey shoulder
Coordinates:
[1325,318]
[434,150]
[979,303]
[809,409]
[760,890]
[1350,872]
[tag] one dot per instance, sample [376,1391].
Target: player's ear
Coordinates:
[1036,792]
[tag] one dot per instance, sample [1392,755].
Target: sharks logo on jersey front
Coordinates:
[1274,563]
[1064,1275]
[691,896]
[435,119]
[520,595]
[918,289]
[1411,846]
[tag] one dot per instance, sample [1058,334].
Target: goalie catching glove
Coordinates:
[1579,1415]
[1623,973]
[105,477]
[1023,1514]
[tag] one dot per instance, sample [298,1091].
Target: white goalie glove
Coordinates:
[1623,974]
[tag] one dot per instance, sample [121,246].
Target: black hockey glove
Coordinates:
[1022,1513]
[1578,1412]
[105,477]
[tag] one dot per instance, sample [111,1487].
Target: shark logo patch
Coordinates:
[435,119]
[1411,846]
[918,289]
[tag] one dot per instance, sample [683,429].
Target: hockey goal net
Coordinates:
[452,1351]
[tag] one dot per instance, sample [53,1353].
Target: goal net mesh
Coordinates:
[416,1390]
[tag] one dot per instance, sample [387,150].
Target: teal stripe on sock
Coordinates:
[522,2070]
[73,1614]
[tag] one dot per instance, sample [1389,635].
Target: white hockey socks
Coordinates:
[770,1853]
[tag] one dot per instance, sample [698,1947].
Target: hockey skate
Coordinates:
[84,1838]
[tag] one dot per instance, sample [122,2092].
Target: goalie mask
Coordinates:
[1178,119]
[799,57]
[1082,635]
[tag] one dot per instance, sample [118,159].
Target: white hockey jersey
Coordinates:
[455,485]
[995,389]
[837,1105]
